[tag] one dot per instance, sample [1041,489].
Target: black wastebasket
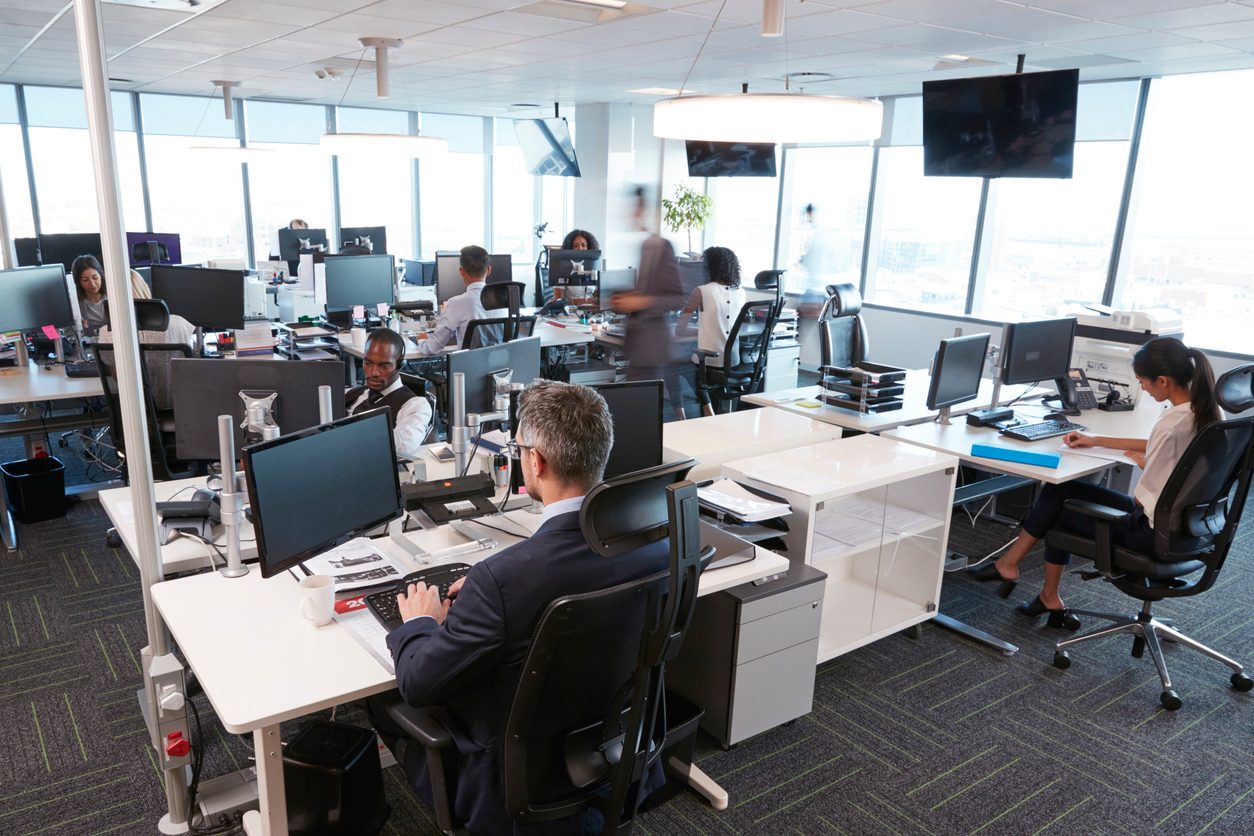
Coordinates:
[36,488]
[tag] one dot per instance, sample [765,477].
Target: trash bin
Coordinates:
[36,488]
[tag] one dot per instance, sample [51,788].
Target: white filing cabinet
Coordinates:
[873,515]
[783,359]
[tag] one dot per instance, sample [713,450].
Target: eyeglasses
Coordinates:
[515,449]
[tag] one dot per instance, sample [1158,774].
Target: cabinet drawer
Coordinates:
[773,690]
[786,599]
[778,631]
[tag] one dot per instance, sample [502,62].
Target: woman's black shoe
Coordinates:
[1062,619]
[988,572]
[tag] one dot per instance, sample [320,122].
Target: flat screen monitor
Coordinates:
[293,242]
[205,389]
[956,370]
[1036,351]
[614,281]
[636,409]
[33,297]
[373,238]
[692,274]
[547,147]
[1020,125]
[502,268]
[522,357]
[63,248]
[27,250]
[421,273]
[448,278]
[567,267]
[145,248]
[210,299]
[296,511]
[359,280]
[730,159]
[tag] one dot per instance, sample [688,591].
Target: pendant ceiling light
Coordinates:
[766,117]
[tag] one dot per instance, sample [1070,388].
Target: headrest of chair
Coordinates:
[768,279]
[629,511]
[497,295]
[1235,389]
[843,300]
[150,314]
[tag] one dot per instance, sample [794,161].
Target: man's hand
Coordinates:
[456,587]
[422,600]
[630,301]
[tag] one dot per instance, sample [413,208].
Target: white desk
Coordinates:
[804,401]
[551,333]
[260,663]
[956,439]
[715,439]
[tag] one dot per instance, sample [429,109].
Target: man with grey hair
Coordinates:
[465,653]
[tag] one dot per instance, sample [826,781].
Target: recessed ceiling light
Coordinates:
[604,4]
[656,91]
[808,77]
[956,57]
[525,105]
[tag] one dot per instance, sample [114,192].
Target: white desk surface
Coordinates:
[550,334]
[716,439]
[35,383]
[956,439]
[914,407]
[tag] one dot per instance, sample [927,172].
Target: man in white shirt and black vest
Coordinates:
[410,414]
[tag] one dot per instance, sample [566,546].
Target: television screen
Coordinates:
[730,159]
[1019,125]
[547,147]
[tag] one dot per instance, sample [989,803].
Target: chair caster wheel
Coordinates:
[112,539]
[1241,682]
[1061,660]
[1170,700]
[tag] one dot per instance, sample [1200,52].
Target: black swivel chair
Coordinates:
[492,331]
[567,747]
[1195,520]
[842,332]
[1235,389]
[421,387]
[744,357]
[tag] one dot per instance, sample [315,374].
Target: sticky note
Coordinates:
[359,311]
[51,333]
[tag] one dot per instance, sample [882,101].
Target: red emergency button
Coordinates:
[176,746]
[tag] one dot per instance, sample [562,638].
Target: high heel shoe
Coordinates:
[988,572]
[1060,619]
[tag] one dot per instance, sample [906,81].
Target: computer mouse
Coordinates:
[1056,416]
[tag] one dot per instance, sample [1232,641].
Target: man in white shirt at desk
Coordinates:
[475,268]
[410,413]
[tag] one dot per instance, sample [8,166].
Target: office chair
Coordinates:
[744,358]
[497,330]
[419,386]
[589,720]
[842,331]
[1235,389]
[1195,520]
[770,280]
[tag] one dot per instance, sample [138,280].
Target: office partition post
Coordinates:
[87,27]
[230,500]
[326,412]
[458,432]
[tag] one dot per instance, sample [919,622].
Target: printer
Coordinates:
[1106,339]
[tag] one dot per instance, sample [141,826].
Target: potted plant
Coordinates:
[688,210]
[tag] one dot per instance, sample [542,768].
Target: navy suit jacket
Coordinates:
[470,665]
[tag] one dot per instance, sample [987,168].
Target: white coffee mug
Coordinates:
[359,337]
[317,599]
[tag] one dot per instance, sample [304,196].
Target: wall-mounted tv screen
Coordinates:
[547,147]
[730,159]
[1019,125]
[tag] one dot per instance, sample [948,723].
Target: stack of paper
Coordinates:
[255,340]
[725,495]
[355,565]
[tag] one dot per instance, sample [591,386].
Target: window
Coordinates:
[195,191]
[294,179]
[378,190]
[825,247]
[513,196]
[16,193]
[1188,244]
[743,220]
[452,189]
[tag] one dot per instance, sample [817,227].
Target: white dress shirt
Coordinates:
[452,322]
[1171,435]
[412,422]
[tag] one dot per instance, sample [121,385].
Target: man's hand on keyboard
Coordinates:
[422,600]
[456,587]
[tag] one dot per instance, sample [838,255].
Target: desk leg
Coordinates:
[942,620]
[702,783]
[272,819]
[8,529]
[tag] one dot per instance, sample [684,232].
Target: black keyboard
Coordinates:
[87,368]
[1044,429]
[383,603]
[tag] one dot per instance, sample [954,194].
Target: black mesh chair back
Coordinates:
[744,354]
[1235,389]
[842,333]
[496,330]
[508,295]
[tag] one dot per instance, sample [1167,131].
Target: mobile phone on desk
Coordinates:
[443,453]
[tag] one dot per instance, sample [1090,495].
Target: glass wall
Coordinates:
[13,167]
[1190,238]
[452,190]
[823,245]
[292,177]
[377,190]
[746,222]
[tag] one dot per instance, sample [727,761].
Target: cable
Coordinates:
[198,761]
[474,449]
[983,508]
[180,532]
[993,554]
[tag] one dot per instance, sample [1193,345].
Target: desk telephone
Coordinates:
[1075,392]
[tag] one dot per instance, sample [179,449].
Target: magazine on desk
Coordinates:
[357,564]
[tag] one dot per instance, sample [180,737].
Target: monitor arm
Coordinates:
[259,416]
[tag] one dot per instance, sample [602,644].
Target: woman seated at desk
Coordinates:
[178,332]
[578,239]
[89,284]
[1167,371]
[717,304]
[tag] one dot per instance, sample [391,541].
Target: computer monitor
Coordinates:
[210,299]
[956,370]
[614,281]
[522,357]
[154,248]
[373,238]
[359,280]
[27,250]
[636,409]
[63,248]
[205,389]
[566,267]
[34,297]
[293,242]
[296,509]
[421,273]
[448,279]
[692,274]
[502,268]
[1036,351]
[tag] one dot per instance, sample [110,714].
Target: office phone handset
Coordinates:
[1075,391]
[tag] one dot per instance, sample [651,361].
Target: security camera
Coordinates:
[320,73]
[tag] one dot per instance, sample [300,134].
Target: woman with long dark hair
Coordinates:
[90,284]
[1167,371]
[719,302]
[580,239]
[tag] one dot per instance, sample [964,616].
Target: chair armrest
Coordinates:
[705,352]
[1098,512]
[421,725]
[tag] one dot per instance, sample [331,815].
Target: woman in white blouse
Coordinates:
[719,302]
